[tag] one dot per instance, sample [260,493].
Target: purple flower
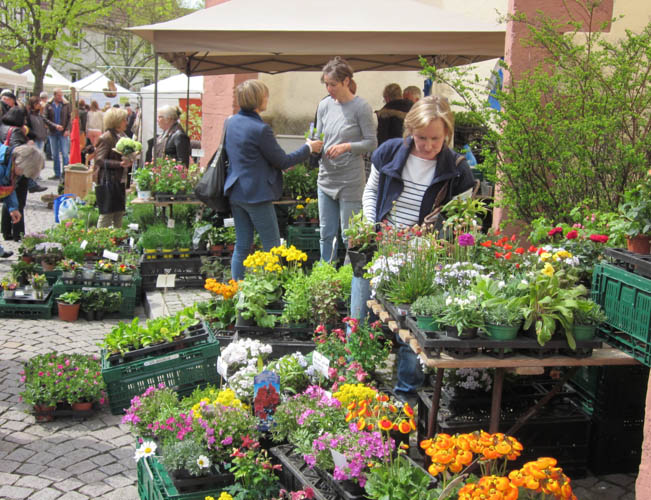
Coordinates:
[466,240]
[227,441]
[310,460]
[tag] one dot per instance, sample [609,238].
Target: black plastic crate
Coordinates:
[188,272]
[615,446]
[296,475]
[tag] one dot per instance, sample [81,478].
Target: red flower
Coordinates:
[507,246]
[507,256]
[554,231]
[532,249]
[486,243]
[519,250]
[498,255]
[599,238]
[513,238]
[572,234]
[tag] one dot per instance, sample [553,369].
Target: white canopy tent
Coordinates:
[172,91]
[52,80]
[12,79]
[244,36]
[94,86]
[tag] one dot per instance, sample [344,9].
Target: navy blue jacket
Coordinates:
[390,159]
[256,159]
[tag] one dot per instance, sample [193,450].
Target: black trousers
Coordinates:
[15,231]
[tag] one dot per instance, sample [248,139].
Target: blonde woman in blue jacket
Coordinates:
[254,179]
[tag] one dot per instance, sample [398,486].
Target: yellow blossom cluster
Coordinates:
[263,261]
[291,254]
[223,496]
[542,476]
[224,397]
[354,393]
[225,290]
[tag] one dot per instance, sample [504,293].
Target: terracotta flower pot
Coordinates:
[44,413]
[68,312]
[82,406]
[639,244]
[47,267]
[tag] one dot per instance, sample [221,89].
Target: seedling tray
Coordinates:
[29,298]
[27,311]
[630,261]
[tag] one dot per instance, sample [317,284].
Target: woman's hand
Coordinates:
[15,216]
[315,146]
[338,149]
[126,162]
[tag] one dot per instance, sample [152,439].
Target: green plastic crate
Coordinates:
[626,299]
[129,294]
[27,311]
[154,483]
[182,370]
[305,238]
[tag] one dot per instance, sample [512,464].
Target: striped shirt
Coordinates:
[417,175]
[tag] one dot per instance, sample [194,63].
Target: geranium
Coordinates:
[599,238]
[573,234]
[554,231]
[466,239]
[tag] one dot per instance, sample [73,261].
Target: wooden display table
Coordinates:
[520,364]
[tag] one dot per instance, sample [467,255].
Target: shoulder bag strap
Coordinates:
[11,129]
[440,197]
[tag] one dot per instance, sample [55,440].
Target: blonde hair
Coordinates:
[113,117]
[423,112]
[170,112]
[251,94]
[30,159]
[392,92]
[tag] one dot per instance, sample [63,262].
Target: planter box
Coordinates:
[188,272]
[154,483]
[626,299]
[128,293]
[183,370]
[615,445]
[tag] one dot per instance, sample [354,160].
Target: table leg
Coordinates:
[496,403]
[436,399]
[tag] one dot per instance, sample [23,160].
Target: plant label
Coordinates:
[230,222]
[133,227]
[131,242]
[19,293]
[321,363]
[165,280]
[266,397]
[83,245]
[222,368]
[110,255]
[170,223]
[339,459]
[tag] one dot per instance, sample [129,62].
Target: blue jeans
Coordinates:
[332,213]
[250,216]
[59,145]
[409,373]
[360,292]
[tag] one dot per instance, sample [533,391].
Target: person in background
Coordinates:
[412,93]
[83,120]
[7,101]
[347,123]
[173,142]
[58,112]
[254,179]
[43,96]
[107,106]
[406,177]
[130,119]
[94,123]
[37,132]
[391,116]
[23,161]
[110,169]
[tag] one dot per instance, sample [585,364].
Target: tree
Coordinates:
[576,130]
[33,32]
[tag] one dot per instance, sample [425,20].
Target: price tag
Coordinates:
[197,153]
[165,280]
[321,363]
[133,227]
[230,222]
[222,368]
[339,459]
[110,255]
[19,293]
[170,223]
[131,242]
[83,245]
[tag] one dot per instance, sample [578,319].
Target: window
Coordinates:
[111,44]
[75,75]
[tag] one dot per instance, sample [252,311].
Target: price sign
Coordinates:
[133,227]
[110,255]
[230,222]
[222,368]
[165,280]
[170,223]
[83,245]
[131,242]
[321,363]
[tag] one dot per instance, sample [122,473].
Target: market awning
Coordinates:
[244,36]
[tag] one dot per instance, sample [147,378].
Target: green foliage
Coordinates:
[220,313]
[429,305]
[589,313]
[398,480]
[293,377]
[360,233]
[300,182]
[254,475]
[184,455]
[69,298]
[575,130]
[255,293]
[298,300]
[100,299]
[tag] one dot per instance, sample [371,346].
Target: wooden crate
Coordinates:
[78,182]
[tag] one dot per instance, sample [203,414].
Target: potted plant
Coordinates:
[150,240]
[8,287]
[463,315]
[228,237]
[28,244]
[105,268]
[168,243]
[184,240]
[39,282]
[68,268]
[49,253]
[125,273]
[502,304]
[68,305]
[220,312]
[86,384]
[88,274]
[635,216]
[587,318]
[144,179]
[428,310]
[502,322]
[362,242]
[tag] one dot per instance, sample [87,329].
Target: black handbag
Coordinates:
[210,189]
[110,196]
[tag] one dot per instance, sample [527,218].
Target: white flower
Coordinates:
[146,449]
[203,462]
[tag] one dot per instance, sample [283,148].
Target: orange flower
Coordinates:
[385,424]
[486,243]
[404,427]
[408,410]
[519,250]
[361,423]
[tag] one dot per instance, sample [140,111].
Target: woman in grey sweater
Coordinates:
[349,131]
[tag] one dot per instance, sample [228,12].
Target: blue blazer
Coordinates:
[256,159]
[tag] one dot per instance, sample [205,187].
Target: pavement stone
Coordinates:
[34,482]
[48,494]
[15,492]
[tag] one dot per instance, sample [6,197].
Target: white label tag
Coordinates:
[131,242]
[165,280]
[161,360]
[339,459]
[230,222]
[320,363]
[198,153]
[19,293]
[110,255]
[170,223]
[222,368]
[133,227]
[83,245]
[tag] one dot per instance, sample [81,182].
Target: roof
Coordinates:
[11,78]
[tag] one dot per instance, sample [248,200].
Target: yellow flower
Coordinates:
[299,207]
[545,256]
[562,254]
[548,270]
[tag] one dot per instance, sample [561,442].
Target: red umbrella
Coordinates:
[75,147]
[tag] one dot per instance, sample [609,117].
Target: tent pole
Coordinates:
[155,99]
[187,98]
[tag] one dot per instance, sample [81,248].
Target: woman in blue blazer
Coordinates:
[254,179]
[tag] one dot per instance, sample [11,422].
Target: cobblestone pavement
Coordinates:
[93,459]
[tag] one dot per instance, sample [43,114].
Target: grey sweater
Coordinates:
[343,177]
